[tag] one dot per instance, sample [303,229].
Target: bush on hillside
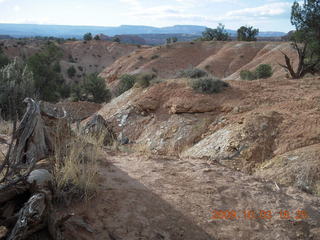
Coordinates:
[47,80]
[208,85]
[93,89]
[4,60]
[154,56]
[247,75]
[16,83]
[71,72]
[96,89]
[263,71]
[56,67]
[127,81]
[193,73]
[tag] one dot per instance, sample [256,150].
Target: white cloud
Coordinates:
[16,8]
[134,3]
[271,9]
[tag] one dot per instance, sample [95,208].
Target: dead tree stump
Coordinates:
[34,139]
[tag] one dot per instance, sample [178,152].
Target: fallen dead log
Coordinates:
[31,217]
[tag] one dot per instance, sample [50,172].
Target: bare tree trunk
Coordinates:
[303,67]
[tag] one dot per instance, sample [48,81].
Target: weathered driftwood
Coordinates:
[31,217]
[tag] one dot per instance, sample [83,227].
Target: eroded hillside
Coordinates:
[221,59]
[243,127]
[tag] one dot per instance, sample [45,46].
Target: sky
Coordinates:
[267,15]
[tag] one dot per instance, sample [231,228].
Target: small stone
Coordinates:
[40,176]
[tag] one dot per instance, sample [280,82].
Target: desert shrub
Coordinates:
[64,90]
[71,59]
[93,89]
[247,75]
[77,92]
[96,87]
[4,60]
[87,37]
[56,67]
[193,73]
[127,81]
[16,83]
[208,85]
[47,81]
[154,56]
[71,72]
[263,71]
[143,80]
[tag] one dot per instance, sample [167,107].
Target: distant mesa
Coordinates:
[5,37]
[64,31]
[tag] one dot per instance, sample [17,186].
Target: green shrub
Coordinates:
[87,37]
[143,80]
[93,89]
[154,56]
[193,73]
[16,83]
[64,91]
[126,82]
[71,72]
[47,80]
[4,60]
[208,85]
[56,67]
[263,71]
[247,75]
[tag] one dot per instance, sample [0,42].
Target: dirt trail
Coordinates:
[165,198]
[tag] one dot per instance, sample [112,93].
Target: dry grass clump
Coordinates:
[308,180]
[2,157]
[5,127]
[76,167]
[142,148]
